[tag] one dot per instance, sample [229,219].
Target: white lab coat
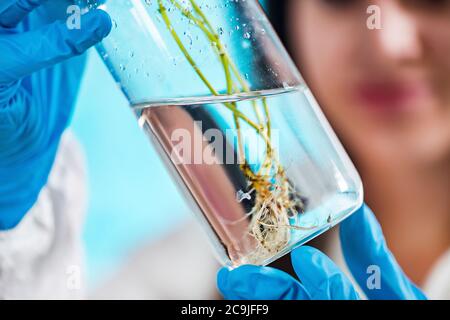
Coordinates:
[42,257]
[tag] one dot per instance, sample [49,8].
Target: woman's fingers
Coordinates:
[25,53]
[16,10]
[259,283]
[370,261]
[320,276]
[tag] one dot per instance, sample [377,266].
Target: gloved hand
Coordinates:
[363,245]
[37,95]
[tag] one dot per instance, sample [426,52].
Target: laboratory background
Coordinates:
[140,238]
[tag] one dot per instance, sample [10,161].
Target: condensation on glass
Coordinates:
[214,89]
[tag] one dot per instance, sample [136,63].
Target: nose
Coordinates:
[399,38]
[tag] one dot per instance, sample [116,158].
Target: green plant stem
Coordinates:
[230,89]
[213,36]
[215,39]
[272,188]
[230,61]
[191,61]
[263,130]
[222,51]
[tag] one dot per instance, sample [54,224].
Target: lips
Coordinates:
[390,96]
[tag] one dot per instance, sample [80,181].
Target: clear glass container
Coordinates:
[214,89]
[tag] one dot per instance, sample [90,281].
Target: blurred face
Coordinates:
[386,92]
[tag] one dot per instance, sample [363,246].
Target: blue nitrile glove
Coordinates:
[363,245]
[37,94]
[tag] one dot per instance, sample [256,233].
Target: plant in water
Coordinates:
[276,201]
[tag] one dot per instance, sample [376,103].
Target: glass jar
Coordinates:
[215,90]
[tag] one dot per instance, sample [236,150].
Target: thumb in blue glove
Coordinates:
[363,245]
[36,97]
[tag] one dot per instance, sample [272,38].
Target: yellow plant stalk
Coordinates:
[276,201]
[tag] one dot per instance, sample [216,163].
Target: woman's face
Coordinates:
[386,91]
